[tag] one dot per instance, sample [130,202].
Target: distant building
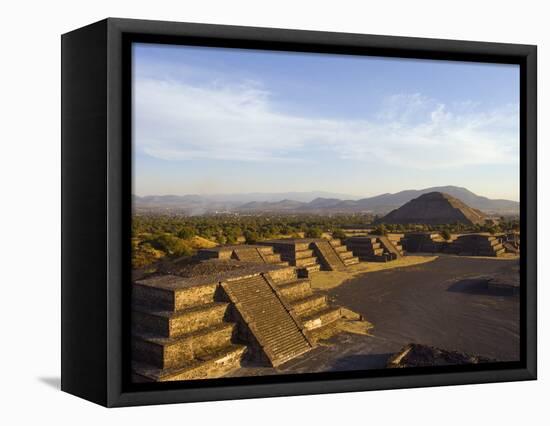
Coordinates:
[434,208]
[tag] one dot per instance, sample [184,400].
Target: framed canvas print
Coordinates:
[253,212]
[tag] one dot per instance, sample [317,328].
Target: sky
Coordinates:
[216,120]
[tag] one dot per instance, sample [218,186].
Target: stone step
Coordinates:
[299,246]
[303,254]
[173,324]
[335,242]
[320,317]
[248,255]
[172,293]
[306,271]
[345,254]
[328,258]
[341,249]
[214,364]
[308,303]
[272,258]
[295,289]
[500,252]
[277,332]
[305,261]
[265,250]
[351,261]
[173,352]
[284,274]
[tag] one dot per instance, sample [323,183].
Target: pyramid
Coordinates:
[434,208]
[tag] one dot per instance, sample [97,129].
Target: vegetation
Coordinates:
[156,237]
[163,236]
[339,233]
[381,229]
[446,234]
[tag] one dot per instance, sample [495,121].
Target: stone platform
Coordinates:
[477,245]
[376,248]
[313,254]
[243,252]
[204,326]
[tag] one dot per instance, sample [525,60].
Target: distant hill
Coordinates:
[434,208]
[314,202]
[277,206]
[388,202]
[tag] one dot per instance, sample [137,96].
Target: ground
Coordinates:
[330,280]
[444,303]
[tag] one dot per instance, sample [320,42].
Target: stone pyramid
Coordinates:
[434,208]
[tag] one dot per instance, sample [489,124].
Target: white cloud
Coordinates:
[178,121]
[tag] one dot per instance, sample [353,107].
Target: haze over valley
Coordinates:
[314,202]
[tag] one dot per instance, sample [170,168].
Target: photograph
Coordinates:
[303,212]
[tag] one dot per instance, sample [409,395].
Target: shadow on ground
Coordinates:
[361,362]
[477,286]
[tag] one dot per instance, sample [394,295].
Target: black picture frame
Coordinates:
[96,210]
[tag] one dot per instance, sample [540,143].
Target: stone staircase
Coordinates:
[296,252]
[369,248]
[396,252]
[343,252]
[328,257]
[180,331]
[194,327]
[276,330]
[312,309]
[397,240]
[313,254]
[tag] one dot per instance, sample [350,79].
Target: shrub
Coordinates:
[144,255]
[186,233]
[445,234]
[313,233]
[171,245]
[251,237]
[380,230]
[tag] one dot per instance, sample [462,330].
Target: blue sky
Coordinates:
[211,120]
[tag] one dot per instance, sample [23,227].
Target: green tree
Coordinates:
[313,232]
[186,232]
[251,236]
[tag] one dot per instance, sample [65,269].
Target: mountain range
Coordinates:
[313,202]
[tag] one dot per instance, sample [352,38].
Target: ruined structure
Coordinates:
[243,253]
[434,208]
[313,254]
[477,245]
[425,242]
[376,248]
[233,305]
